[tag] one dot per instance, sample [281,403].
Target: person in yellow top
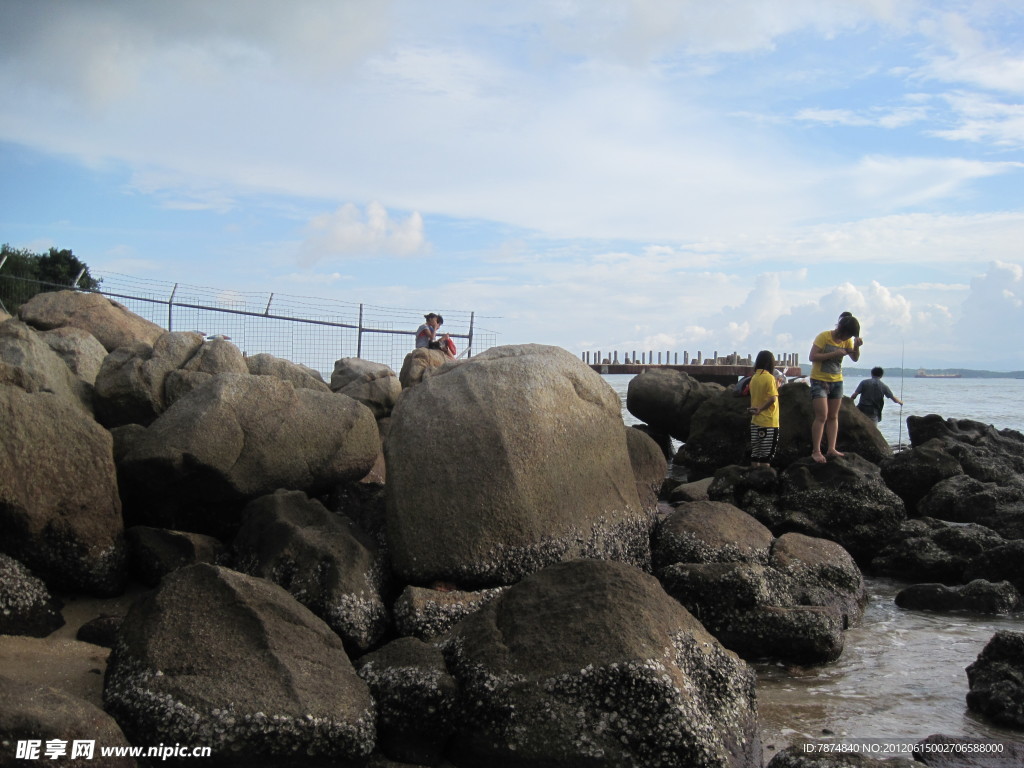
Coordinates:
[827,353]
[763,410]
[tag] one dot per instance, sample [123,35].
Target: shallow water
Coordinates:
[902,675]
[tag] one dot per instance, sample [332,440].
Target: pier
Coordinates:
[725,370]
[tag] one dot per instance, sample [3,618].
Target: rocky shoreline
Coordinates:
[468,563]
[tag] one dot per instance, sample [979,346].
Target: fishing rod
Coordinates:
[903,346]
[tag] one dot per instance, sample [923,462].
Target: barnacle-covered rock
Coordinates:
[214,657]
[591,663]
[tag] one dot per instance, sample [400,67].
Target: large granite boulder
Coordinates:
[666,399]
[929,550]
[254,675]
[321,558]
[719,435]
[111,323]
[417,700]
[591,663]
[996,680]
[506,463]
[28,362]
[26,606]
[300,376]
[374,385]
[59,507]
[237,438]
[130,383]
[46,715]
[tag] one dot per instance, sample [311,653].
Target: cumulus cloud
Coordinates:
[350,232]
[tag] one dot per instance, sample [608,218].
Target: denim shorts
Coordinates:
[833,390]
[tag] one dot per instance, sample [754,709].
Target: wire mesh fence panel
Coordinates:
[310,331]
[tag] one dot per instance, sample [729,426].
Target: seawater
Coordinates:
[902,675]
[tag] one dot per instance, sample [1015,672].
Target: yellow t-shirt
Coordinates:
[763,386]
[829,370]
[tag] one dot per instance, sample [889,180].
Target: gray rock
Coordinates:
[429,613]
[130,383]
[966,499]
[1002,563]
[720,432]
[28,362]
[939,751]
[418,363]
[843,500]
[60,512]
[799,756]
[416,700]
[591,663]
[101,630]
[111,323]
[681,493]
[321,558]
[986,453]
[927,549]
[912,474]
[710,532]
[666,400]
[26,606]
[374,385]
[46,714]
[155,552]
[300,376]
[649,466]
[755,490]
[79,350]
[253,674]
[506,463]
[996,680]
[978,596]
[235,439]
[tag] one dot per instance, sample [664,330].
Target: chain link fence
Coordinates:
[310,331]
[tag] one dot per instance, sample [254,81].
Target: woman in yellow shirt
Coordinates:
[763,410]
[827,353]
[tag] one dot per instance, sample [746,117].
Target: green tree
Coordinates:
[24,274]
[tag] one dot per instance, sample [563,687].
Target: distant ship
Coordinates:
[923,374]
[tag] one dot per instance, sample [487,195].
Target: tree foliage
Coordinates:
[24,274]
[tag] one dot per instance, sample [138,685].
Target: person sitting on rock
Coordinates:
[426,335]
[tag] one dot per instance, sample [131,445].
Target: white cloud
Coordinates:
[351,232]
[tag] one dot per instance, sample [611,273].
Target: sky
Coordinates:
[664,175]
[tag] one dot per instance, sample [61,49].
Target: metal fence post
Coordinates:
[469,343]
[359,334]
[170,309]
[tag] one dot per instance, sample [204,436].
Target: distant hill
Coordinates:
[908,373]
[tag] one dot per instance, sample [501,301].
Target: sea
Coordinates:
[902,675]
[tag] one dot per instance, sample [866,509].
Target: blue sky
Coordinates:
[677,175]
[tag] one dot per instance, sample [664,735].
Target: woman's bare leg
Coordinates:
[819,405]
[832,426]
